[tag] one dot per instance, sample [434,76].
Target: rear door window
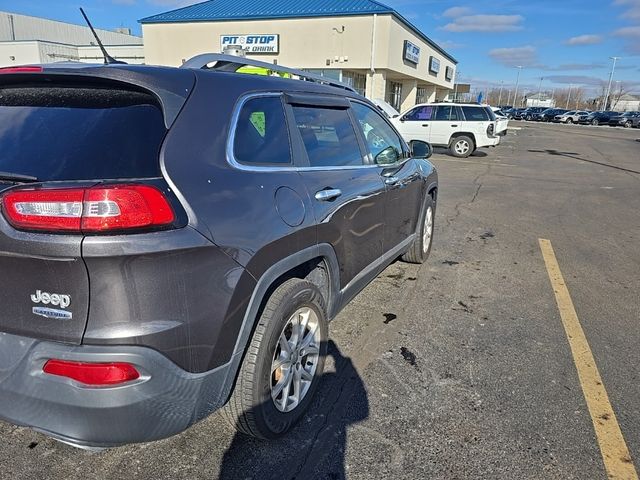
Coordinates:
[328,136]
[447,113]
[71,133]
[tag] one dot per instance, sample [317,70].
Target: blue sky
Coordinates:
[564,41]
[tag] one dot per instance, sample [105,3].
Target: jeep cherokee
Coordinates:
[175,240]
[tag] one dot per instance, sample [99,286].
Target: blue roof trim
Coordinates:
[228,10]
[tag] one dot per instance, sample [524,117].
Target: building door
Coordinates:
[394,95]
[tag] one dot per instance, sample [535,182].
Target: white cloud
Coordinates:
[485,23]
[585,40]
[633,8]
[455,12]
[526,56]
[628,32]
[124,2]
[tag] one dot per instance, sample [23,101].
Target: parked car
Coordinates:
[195,261]
[571,116]
[386,108]
[460,127]
[529,113]
[548,115]
[597,118]
[514,113]
[626,120]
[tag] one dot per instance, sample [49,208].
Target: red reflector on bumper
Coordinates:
[97,374]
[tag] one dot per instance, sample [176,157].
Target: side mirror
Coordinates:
[388,156]
[420,149]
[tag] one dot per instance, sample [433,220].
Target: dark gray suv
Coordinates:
[174,241]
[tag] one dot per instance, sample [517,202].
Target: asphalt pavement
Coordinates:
[459,368]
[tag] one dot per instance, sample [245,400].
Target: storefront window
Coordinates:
[394,94]
[357,80]
[422,95]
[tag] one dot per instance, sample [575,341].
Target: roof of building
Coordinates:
[226,10]
[539,96]
[629,97]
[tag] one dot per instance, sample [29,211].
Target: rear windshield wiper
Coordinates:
[17,177]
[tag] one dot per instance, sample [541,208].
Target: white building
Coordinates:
[627,103]
[361,42]
[27,40]
[540,100]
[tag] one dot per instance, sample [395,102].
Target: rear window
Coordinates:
[475,114]
[64,133]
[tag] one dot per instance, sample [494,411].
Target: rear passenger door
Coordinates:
[401,175]
[347,193]
[446,122]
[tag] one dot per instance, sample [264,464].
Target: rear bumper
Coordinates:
[164,401]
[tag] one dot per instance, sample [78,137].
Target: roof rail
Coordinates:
[232,63]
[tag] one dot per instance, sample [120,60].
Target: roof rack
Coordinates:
[232,63]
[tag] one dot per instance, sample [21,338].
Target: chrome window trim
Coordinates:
[231,159]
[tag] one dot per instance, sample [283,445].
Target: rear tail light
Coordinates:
[25,69]
[90,210]
[95,374]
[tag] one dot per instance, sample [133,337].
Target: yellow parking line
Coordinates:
[615,454]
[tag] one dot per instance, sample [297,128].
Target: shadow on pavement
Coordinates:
[315,448]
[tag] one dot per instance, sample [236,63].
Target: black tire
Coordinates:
[471,146]
[528,118]
[417,252]
[595,122]
[251,409]
[569,120]
[626,124]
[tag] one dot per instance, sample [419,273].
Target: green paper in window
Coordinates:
[259,122]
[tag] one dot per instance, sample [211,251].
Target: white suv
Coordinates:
[462,127]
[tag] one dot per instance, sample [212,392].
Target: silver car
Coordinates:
[569,117]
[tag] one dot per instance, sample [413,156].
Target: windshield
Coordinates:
[64,133]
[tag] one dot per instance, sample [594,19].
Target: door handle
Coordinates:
[391,180]
[328,194]
[454,125]
[425,124]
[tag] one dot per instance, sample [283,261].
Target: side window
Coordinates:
[419,114]
[328,136]
[447,113]
[261,135]
[384,144]
[475,114]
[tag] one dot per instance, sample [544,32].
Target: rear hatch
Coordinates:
[68,134]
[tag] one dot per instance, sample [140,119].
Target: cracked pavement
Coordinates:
[458,368]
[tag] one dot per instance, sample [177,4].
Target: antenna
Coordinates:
[108,59]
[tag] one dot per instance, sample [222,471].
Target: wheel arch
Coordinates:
[462,134]
[321,257]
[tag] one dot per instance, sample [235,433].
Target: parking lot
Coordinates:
[459,368]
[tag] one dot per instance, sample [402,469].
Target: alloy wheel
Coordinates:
[295,360]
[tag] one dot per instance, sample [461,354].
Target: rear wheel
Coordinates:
[462,146]
[283,364]
[421,245]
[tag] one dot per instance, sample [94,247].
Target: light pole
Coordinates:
[500,94]
[540,91]
[515,94]
[613,69]
[568,97]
